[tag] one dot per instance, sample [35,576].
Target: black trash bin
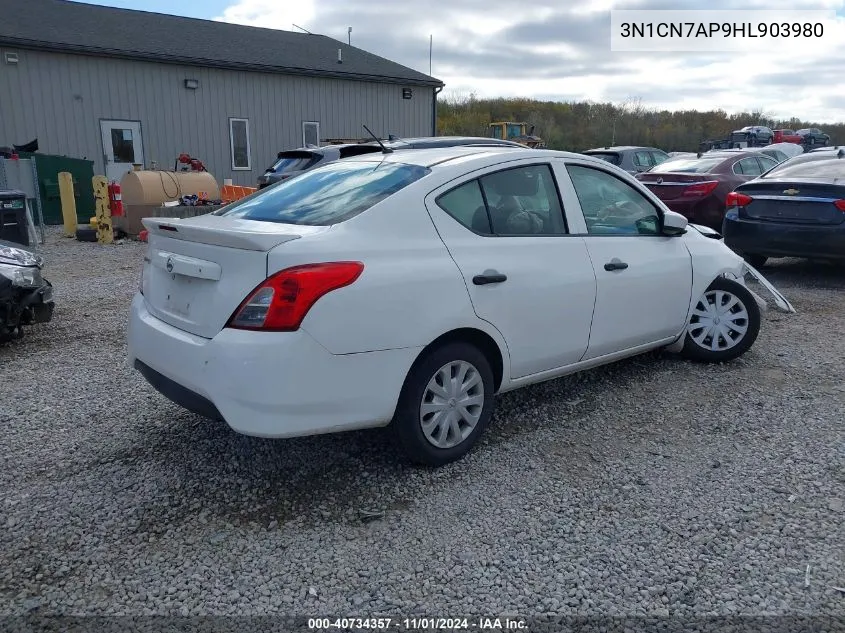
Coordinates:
[13,219]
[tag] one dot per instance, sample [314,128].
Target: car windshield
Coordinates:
[326,195]
[686,165]
[610,157]
[810,166]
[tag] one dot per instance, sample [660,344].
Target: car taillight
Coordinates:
[735,199]
[701,188]
[280,303]
[840,204]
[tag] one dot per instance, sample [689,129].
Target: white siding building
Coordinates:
[120,87]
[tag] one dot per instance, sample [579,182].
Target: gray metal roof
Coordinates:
[61,25]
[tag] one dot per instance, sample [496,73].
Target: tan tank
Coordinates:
[154,188]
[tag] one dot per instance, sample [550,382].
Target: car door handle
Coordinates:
[489,278]
[615,264]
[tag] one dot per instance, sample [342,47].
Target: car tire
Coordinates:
[757,261]
[727,301]
[86,234]
[417,430]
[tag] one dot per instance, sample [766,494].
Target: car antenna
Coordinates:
[384,150]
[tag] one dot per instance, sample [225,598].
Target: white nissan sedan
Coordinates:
[409,288]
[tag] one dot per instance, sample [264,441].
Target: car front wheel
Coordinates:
[724,323]
[445,405]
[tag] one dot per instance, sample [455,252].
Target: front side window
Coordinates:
[326,195]
[512,202]
[611,157]
[659,157]
[611,206]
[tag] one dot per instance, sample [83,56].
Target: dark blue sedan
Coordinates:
[796,209]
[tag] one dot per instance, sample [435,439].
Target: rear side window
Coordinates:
[747,167]
[518,201]
[327,195]
[466,205]
[295,162]
[610,157]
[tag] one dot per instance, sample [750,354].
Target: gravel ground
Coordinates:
[654,486]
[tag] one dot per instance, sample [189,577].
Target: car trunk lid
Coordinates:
[198,271]
[672,186]
[794,202]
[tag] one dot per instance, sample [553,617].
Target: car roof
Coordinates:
[457,140]
[468,153]
[729,153]
[622,148]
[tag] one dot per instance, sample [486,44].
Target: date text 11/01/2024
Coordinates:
[418,624]
[721,29]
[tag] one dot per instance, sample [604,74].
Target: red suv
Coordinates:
[787,136]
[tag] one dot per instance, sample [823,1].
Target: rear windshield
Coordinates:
[326,195]
[294,162]
[686,165]
[610,157]
[810,166]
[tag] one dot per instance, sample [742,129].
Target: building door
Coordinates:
[122,147]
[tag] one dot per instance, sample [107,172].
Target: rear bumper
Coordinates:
[773,239]
[699,211]
[267,384]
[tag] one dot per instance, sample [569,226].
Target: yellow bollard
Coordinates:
[68,203]
[105,230]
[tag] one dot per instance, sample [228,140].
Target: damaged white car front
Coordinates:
[744,269]
[26,297]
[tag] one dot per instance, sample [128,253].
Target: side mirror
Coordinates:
[674,224]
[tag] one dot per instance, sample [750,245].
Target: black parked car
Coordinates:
[813,136]
[296,161]
[796,209]
[752,136]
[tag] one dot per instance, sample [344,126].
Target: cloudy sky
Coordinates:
[556,50]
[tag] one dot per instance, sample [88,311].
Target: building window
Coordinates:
[239,142]
[310,133]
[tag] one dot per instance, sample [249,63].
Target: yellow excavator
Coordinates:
[517,132]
